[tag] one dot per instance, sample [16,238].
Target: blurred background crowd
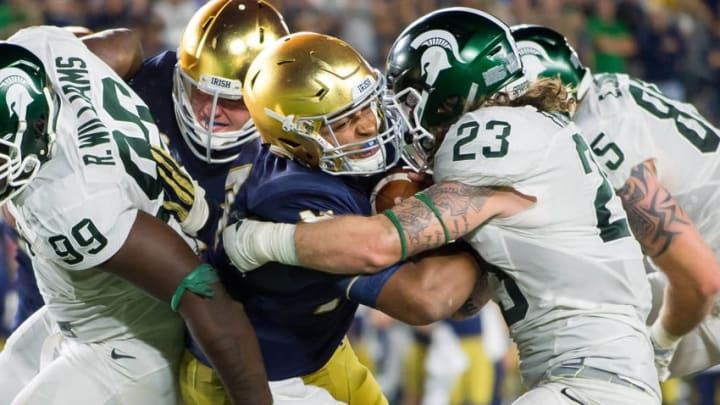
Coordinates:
[672,43]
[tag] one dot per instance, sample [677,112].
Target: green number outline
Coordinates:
[85,225]
[707,144]
[609,147]
[609,231]
[489,153]
[149,184]
[472,126]
[520,304]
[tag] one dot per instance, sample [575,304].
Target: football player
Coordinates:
[516,179]
[208,128]
[206,125]
[104,44]
[327,130]
[81,171]
[661,156]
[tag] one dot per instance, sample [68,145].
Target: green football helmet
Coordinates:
[27,118]
[547,53]
[445,63]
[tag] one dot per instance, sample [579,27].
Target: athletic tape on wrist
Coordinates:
[662,337]
[198,282]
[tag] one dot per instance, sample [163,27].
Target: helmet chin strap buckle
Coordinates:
[30,164]
[287,122]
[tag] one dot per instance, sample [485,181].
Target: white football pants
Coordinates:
[585,391]
[41,367]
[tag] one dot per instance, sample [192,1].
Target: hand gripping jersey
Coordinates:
[78,211]
[626,121]
[570,282]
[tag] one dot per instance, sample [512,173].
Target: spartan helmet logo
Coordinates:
[533,58]
[17,85]
[435,58]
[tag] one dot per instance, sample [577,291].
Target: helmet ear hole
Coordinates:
[39,127]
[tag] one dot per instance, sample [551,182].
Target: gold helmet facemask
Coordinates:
[218,45]
[302,85]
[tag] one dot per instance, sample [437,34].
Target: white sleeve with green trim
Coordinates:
[102,171]
[627,121]
[78,211]
[571,281]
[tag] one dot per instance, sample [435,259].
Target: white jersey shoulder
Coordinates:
[544,157]
[497,146]
[569,278]
[79,209]
[538,154]
[627,121]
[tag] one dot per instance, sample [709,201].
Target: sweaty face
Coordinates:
[359,129]
[229,115]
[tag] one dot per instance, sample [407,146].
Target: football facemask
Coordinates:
[218,45]
[301,87]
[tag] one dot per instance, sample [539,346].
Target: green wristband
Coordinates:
[403,246]
[425,199]
[198,282]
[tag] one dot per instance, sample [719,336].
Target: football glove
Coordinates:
[184,197]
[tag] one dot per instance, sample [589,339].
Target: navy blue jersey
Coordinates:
[300,315]
[154,83]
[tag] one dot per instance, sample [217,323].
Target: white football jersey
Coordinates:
[626,121]
[78,211]
[569,278]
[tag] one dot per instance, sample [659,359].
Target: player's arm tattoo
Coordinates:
[654,216]
[459,206]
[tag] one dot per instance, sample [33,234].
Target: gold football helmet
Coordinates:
[218,45]
[300,85]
